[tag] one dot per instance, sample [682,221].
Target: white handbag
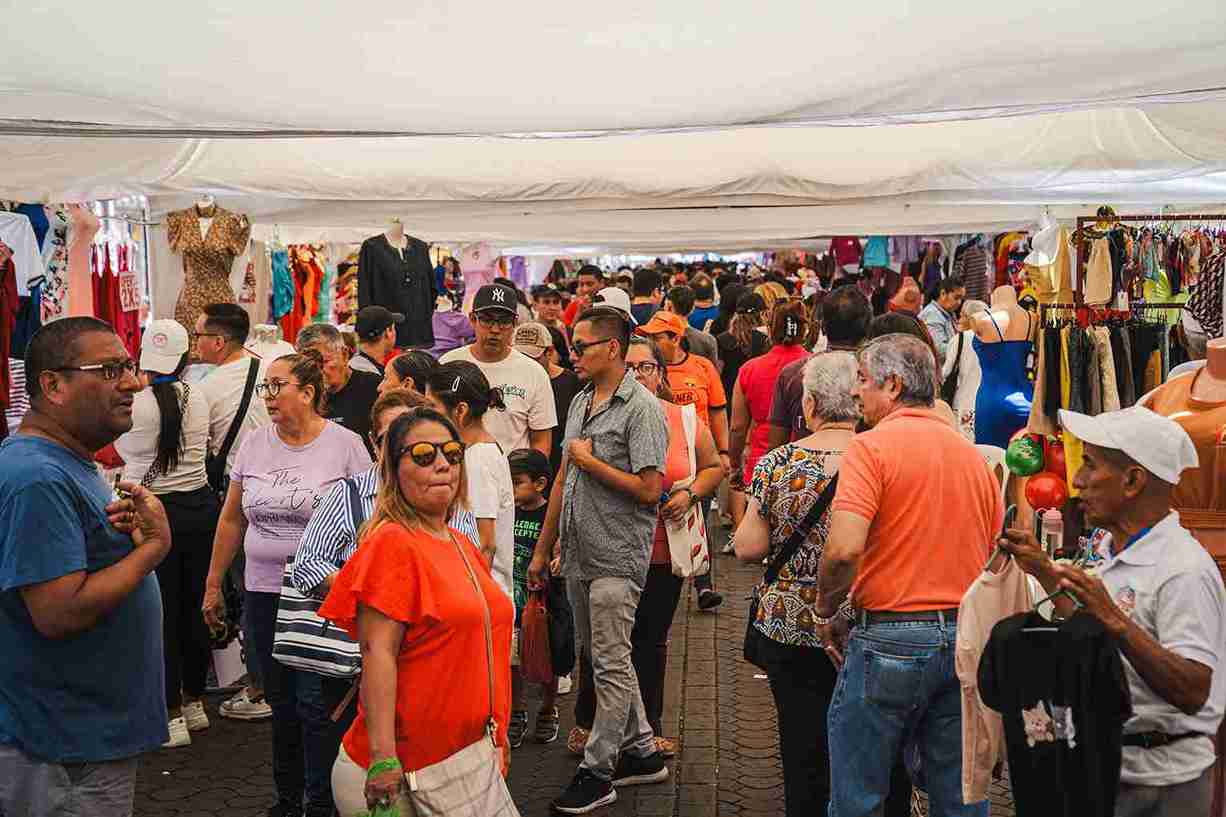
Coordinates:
[687,539]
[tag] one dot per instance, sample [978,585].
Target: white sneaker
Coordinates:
[195,716]
[179,736]
[242,708]
[564,684]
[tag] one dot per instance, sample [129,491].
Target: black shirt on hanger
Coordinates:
[401,282]
[1061,690]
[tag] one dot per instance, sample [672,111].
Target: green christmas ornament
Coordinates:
[1024,457]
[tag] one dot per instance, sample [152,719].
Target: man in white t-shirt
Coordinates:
[221,331]
[1160,594]
[530,418]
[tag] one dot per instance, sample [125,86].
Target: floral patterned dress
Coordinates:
[786,483]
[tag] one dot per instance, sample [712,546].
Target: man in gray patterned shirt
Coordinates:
[603,509]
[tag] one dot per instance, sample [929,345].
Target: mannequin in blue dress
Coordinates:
[1003,343]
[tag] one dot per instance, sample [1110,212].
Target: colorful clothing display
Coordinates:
[208,256]
[55,264]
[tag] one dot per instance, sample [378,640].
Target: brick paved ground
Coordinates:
[718,707]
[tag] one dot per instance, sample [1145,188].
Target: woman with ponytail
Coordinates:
[460,391]
[751,397]
[165,452]
[746,336]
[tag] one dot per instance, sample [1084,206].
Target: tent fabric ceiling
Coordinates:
[555,66]
[635,126]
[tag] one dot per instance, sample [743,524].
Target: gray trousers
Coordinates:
[32,788]
[1189,799]
[604,616]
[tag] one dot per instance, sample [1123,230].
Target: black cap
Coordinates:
[373,321]
[496,296]
[752,302]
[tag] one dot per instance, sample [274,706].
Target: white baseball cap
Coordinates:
[1158,444]
[163,346]
[616,298]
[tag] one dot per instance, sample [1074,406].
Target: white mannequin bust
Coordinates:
[206,208]
[395,235]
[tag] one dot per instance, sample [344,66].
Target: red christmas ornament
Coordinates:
[1045,491]
[1053,459]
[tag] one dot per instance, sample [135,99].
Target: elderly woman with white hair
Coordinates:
[785,638]
[960,375]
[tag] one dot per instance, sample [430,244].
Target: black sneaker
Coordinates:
[586,792]
[517,728]
[635,771]
[709,600]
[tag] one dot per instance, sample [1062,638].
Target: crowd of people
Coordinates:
[415,501]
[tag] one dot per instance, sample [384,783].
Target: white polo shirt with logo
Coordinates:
[1173,590]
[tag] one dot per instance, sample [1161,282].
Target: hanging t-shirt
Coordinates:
[526,390]
[846,250]
[1064,698]
[16,232]
[282,485]
[491,495]
[528,527]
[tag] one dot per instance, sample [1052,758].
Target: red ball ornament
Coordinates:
[1053,458]
[1045,491]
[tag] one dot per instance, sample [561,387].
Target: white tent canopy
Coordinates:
[635,126]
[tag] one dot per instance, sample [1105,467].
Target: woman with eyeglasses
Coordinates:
[460,391]
[280,476]
[165,452]
[418,595]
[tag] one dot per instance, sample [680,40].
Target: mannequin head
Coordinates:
[1004,296]
[1215,358]
[395,228]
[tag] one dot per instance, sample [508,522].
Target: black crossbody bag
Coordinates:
[798,537]
[215,466]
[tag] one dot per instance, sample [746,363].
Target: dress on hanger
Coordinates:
[1002,404]
[55,262]
[207,259]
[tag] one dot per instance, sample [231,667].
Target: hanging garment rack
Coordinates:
[126,220]
[1113,219]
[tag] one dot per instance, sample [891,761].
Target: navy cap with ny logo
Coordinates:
[495,296]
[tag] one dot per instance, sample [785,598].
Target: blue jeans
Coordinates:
[898,685]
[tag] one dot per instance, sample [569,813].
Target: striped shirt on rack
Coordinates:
[330,538]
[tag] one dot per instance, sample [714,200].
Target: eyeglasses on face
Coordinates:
[581,347]
[109,371]
[495,319]
[647,367]
[424,454]
[271,388]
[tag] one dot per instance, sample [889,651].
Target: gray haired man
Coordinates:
[350,393]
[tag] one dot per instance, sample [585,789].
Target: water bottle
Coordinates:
[1053,532]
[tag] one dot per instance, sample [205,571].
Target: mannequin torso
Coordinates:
[1014,323]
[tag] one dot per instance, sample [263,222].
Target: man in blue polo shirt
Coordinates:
[81,672]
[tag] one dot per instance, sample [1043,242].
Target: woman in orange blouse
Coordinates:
[410,598]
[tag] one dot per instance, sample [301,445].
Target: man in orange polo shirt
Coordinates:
[911,528]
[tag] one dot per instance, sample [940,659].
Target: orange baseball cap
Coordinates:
[664,322]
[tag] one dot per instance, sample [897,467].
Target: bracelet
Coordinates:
[824,622]
[387,764]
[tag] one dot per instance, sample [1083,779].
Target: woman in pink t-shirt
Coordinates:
[281,474]
[755,386]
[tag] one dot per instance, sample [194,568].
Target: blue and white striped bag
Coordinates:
[303,640]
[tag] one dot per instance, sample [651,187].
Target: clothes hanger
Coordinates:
[1010,515]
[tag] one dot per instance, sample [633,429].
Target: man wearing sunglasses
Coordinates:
[602,510]
[530,417]
[82,694]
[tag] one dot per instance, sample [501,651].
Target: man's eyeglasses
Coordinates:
[647,367]
[496,319]
[110,371]
[580,347]
[271,388]
[424,454]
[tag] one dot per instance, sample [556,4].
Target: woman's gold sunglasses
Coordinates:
[424,454]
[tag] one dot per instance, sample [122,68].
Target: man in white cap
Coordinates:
[1159,593]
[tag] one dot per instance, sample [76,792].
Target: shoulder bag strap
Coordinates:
[232,433]
[154,471]
[492,725]
[689,421]
[801,533]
